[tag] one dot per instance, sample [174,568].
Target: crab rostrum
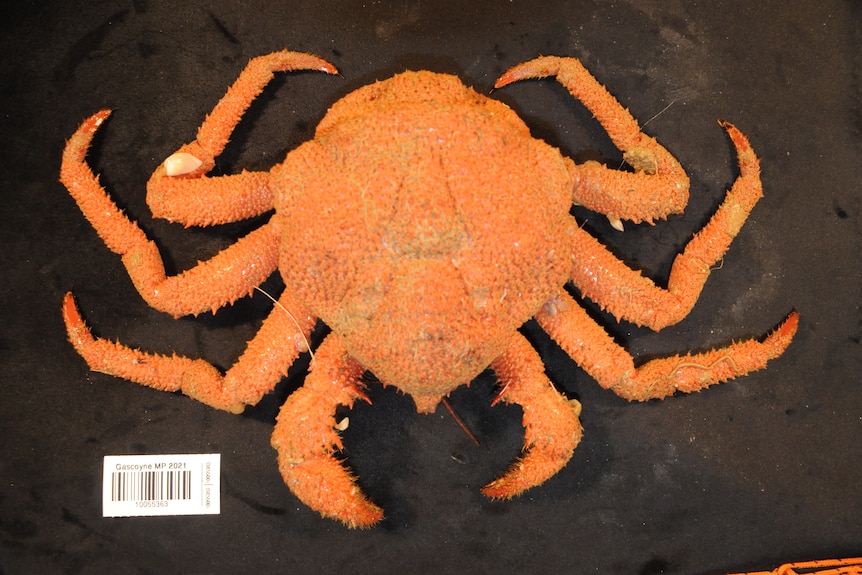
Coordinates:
[423,225]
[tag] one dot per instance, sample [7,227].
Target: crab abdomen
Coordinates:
[424,229]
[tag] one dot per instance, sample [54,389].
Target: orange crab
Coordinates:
[424,225]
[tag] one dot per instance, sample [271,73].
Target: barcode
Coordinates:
[166,484]
[151,485]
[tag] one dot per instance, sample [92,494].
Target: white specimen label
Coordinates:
[142,485]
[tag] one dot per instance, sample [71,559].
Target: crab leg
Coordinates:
[612,366]
[265,361]
[551,426]
[306,439]
[178,189]
[658,186]
[210,285]
[628,294]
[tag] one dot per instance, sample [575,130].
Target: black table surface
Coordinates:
[744,476]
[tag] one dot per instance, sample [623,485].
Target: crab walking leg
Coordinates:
[265,361]
[214,133]
[306,439]
[627,294]
[282,336]
[612,366]
[659,185]
[207,201]
[848,566]
[551,426]
[178,190]
[229,275]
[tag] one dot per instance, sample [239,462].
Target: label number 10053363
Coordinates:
[140,485]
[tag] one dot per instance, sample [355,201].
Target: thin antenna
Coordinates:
[290,315]
[662,111]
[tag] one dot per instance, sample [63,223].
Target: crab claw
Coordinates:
[551,426]
[306,438]
[326,486]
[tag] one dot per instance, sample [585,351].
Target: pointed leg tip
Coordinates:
[102,114]
[787,329]
[79,142]
[92,123]
[540,67]
[76,330]
[327,68]
[731,130]
[740,140]
[507,78]
[71,315]
[289,60]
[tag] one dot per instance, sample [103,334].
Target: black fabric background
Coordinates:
[758,471]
